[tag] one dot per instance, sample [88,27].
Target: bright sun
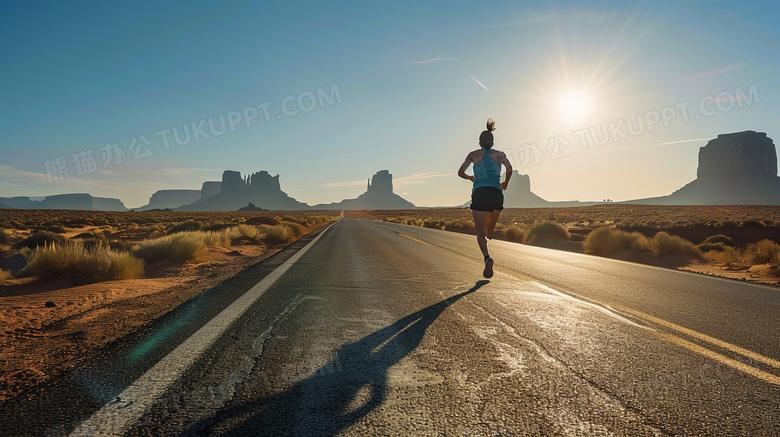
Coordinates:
[574,107]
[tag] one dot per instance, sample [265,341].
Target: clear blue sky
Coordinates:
[404,87]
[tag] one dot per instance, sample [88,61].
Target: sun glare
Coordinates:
[574,107]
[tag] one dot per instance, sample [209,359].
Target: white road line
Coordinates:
[116,417]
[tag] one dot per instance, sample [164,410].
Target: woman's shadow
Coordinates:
[339,393]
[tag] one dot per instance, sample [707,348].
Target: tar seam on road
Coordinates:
[116,417]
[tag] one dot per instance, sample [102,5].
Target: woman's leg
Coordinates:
[492,219]
[480,223]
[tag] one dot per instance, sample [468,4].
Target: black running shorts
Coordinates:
[487,199]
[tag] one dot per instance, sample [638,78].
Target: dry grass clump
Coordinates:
[5,236]
[91,265]
[247,231]
[278,234]
[730,256]
[719,238]
[606,240]
[709,247]
[295,227]
[546,231]
[515,232]
[433,224]
[459,224]
[752,223]
[762,252]
[182,246]
[664,244]
[5,275]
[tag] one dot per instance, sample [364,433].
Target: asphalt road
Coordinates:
[385,329]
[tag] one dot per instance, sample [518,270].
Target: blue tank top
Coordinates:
[487,173]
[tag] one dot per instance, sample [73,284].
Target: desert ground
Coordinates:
[48,324]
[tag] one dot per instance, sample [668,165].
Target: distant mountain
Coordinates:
[80,201]
[235,192]
[379,195]
[4,206]
[734,169]
[108,204]
[170,199]
[20,202]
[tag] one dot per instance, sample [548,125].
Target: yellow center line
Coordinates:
[414,239]
[752,371]
[701,350]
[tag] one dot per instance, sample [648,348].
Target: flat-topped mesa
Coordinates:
[382,182]
[210,188]
[262,180]
[231,181]
[747,153]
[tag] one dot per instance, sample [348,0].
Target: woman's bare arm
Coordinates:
[463,167]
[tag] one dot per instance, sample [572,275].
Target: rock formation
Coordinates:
[379,195]
[236,191]
[209,189]
[68,201]
[736,155]
[734,169]
[170,199]
[251,207]
[518,194]
[108,204]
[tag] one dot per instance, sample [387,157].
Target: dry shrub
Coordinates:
[515,232]
[709,247]
[729,256]
[182,246]
[5,275]
[719,238]
[278,234]
[664,244]
[314,220]
[5,236]
[603,241]
[297,228]
[292,219]
[752,223]
[219,239]
[547,231]
[91,265]
[460,224]
[248,231]
[433,224]
[729,224]
[762,252]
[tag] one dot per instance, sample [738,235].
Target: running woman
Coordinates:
[487,195]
